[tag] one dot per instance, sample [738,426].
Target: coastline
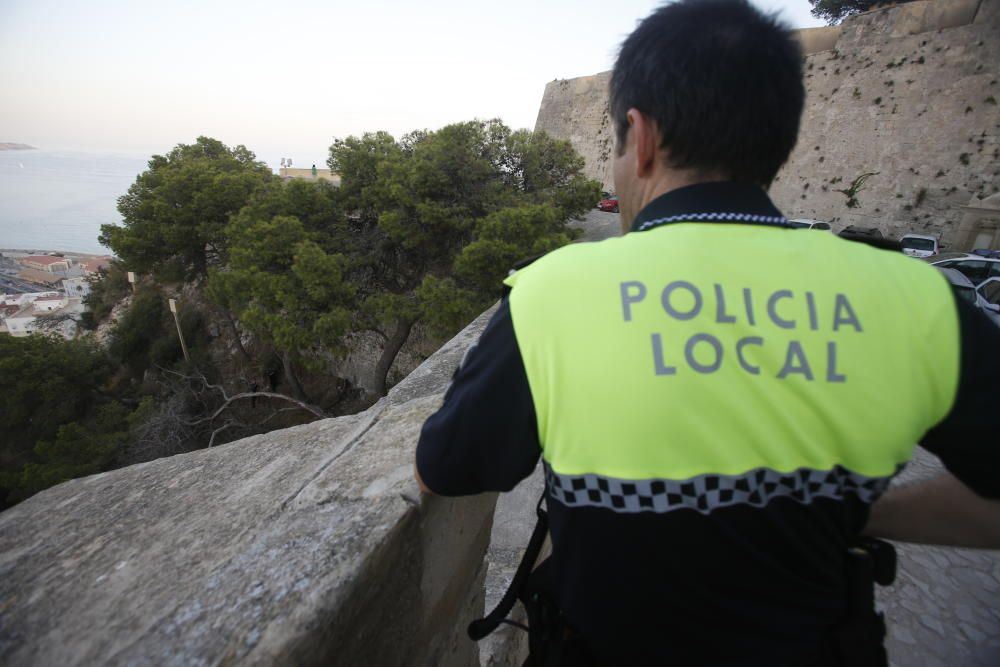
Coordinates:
[58,200]
[39,251]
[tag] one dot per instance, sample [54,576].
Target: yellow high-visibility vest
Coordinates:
[749,359]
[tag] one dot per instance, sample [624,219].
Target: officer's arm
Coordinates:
[962,507]
[485,436]
[937,511]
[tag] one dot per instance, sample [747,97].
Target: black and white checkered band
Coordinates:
[774,220]
[706,493]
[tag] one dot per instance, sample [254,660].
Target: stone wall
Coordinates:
[910,92]
[577,110]
[917,104]
[310,545]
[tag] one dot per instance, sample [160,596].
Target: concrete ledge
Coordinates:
[304,546]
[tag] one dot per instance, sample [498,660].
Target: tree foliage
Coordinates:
[49,384]
[139,329]
[175,214]
[283,286]
[833,11]
[285,277]
[431,211]
[79,448]
[421,232]
[107,289]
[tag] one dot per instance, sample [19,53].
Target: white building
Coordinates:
[25,320]
[48,304]
[22,322]
[26,298]
[76,287]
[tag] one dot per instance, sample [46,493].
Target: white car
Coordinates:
[806,223]
[975,268]
[989,291]
[919,245]
[980,296]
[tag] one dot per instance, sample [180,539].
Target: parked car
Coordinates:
[990,291]
[977,269]
[609,204]
[919,245]
[854,230]
[806,223]
[869,236]
[966,290]
[934,259]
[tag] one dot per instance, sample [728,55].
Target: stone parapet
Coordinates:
[310,545]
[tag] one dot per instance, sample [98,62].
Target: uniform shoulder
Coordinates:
[567,259]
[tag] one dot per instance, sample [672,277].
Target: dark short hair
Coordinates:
[722,80]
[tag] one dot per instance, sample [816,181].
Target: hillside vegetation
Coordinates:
[275,284]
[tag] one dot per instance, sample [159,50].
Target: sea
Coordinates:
[58,200]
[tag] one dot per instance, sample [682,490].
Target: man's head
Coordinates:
[703,90]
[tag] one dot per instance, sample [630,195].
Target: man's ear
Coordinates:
[646,135]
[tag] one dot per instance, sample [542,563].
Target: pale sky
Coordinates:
[285,78]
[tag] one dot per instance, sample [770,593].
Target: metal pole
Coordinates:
[180,334]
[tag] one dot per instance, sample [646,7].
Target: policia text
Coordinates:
[704,352]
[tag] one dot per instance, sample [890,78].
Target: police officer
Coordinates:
[720,400]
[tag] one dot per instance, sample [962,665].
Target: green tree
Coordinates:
[107,289]
[833,11]
[416,205]
[175,214]
[79,448]
[47,383]
[139,328]
[283,286]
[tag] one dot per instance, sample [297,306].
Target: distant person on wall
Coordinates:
[314,172]
[719,399]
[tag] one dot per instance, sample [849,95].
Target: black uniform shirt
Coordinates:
[740,586]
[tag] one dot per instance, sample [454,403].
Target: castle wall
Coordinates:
[910,92]
[577,110]
[914,103]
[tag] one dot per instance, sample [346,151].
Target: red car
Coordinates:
[609,205]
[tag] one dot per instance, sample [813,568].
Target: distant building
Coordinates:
[314,174]
[23,299]
[21,322]
[49,263]
[39,277]
[21,318]
[48,304]
[92,265]
[76,287]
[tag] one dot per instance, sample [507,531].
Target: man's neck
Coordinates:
[664,181]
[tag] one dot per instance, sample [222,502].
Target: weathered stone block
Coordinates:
[310,545]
